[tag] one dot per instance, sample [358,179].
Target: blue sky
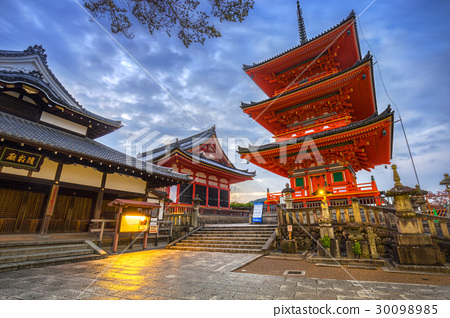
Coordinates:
[155,83]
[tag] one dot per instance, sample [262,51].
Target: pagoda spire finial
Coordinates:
[301,25]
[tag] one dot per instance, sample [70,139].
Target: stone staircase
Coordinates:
[18,255]
[227,238]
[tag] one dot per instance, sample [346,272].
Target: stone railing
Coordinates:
[178,219]
[379,216]
[437,225]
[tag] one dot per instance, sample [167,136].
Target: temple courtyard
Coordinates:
[163,274]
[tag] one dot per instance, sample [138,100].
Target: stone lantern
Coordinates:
[196,201]
[288,196]
[413,247]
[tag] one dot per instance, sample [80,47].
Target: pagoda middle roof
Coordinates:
[354,125]
[351,16]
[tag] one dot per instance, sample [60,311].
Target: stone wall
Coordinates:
[307,237]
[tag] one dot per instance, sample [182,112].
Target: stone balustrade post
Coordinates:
[413,247]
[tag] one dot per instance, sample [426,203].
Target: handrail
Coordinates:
[268,243]
[184,236]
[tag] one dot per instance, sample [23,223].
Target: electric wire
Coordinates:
[392,101]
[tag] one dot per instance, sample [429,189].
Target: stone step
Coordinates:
[207,240]
[221,235]
[216,249]
[240,227]
[46,255]
[236,232]
[18,250]
[237,229]
[47,262]
[223,245]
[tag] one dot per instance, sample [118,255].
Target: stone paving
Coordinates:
[175,274]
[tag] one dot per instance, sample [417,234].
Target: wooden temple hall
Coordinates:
[322,112]
[202,157]
[54,175]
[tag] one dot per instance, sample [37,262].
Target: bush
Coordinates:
[325,241]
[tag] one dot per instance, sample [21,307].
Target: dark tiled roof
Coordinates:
[46,137]
[368,57]
[204,160]
[184,144]
[349,17]
[35,79]
[372,119]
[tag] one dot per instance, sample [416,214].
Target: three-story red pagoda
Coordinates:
[323,114]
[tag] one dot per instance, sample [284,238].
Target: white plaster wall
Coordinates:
[83,175]
[122,182]
[47,171]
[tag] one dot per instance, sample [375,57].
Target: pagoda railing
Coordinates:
[345,192]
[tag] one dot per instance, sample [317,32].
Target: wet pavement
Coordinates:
[174,274]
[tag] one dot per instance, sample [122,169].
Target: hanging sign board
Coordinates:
[133,223]
[20,159]
[257,212]
[153,228]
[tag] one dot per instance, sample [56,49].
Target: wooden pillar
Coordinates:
[22,211]
[99,200]
[116,232]
[69,215]
[98,204]
[49,208]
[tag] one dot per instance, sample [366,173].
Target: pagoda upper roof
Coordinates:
[305,52]
[30,67]
[24,131]
[351,16]
[244,105]
[354,125]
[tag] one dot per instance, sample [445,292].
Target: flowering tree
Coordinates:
[438,200]
[186,16]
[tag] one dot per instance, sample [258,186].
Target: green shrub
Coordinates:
[357,248]
[325,241]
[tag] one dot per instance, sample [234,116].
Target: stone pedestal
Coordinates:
[289,246]
[412,246]
[365,253]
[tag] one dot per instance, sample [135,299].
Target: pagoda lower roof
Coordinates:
[202,161]
[31,133]
[328,133]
